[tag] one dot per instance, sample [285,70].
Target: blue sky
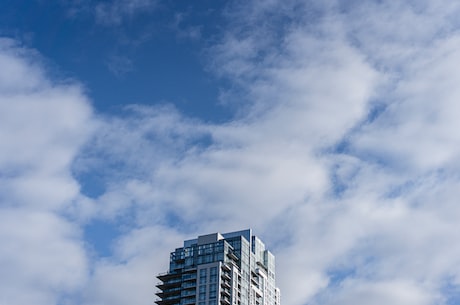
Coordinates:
[329,128]
[151,55]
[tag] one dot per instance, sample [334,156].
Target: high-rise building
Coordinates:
[220,269]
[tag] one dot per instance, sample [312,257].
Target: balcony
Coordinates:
[169,284]
[225,284]
[188,301]
[169,293]
[189,277]
[232,256]
[225,275]
[165,277]
[173,300]
[262,266]
[225,292]
[161,302]
[188,293]
[189,285]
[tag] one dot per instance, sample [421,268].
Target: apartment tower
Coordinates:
[220,269]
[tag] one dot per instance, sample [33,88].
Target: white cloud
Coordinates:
[417,129]
[42,126]
[41,129]
[358,206]
[19,72]
[391,292]
[120,65]
[127,277]
[368,210]
[41,255]
[116,11]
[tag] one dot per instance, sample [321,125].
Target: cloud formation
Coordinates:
[42,126]
[114,12]
[342,156]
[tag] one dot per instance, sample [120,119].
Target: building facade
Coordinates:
[220,269]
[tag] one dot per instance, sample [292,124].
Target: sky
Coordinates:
[328,127]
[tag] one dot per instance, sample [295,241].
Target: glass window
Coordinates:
[203,273]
